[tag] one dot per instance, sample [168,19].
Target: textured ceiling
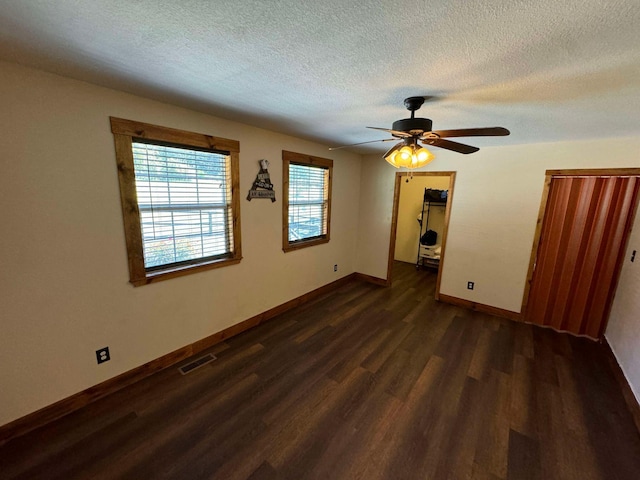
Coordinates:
[547,69]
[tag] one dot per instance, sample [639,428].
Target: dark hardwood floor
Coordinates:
[363,383]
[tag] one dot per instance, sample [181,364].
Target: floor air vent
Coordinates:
[191,366]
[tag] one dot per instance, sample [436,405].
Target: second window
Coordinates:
[307,200]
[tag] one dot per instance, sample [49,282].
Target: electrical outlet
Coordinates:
[102,355]
[470,285]
[335,267]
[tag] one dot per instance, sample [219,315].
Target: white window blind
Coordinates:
[184,197]
[308,198]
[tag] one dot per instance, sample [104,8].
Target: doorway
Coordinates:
[410,249]
[583,227]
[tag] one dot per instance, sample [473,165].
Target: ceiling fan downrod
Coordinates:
[413,125]
[413,104]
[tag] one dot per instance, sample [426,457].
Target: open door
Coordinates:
[404,177]
[581,245]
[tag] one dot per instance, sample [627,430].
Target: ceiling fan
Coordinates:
[414,133]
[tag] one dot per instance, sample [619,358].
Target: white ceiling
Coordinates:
[323,70]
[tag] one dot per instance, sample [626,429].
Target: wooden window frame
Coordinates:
[289,158]
[124,133]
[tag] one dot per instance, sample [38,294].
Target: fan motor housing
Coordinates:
[409,125]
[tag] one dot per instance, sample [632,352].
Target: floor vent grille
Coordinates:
[197,363]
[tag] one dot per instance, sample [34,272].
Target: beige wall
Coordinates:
[64,288]
[493,218]
[623,331]
[409,207]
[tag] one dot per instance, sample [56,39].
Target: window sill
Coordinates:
[303,244]
[158,276]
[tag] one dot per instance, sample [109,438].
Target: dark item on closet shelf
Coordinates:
[433,195]
[429,238]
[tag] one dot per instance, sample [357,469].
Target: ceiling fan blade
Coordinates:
[449,145]
[362,143]
[397,133]
[473,132]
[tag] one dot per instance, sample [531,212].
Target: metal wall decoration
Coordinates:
[262,186]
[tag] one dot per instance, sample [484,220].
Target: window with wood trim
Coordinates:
[306,211]
[180,200]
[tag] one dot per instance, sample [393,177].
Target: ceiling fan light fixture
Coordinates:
[405,154]
[409,156]
[424,156]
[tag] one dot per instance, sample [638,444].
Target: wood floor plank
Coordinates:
[349,363]
[263,472]
[544,367]
[493,441]
[524,458]
[379,356]
[464,432]
[403,441]
[363,382]
[502,350]
[479,367]
[522,411]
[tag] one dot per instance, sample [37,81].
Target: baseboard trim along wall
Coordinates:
[67,405]
[479,307]
[629,397]
[374,280]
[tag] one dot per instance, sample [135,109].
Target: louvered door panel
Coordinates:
[579,254]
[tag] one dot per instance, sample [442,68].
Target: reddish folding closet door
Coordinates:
[584,231]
